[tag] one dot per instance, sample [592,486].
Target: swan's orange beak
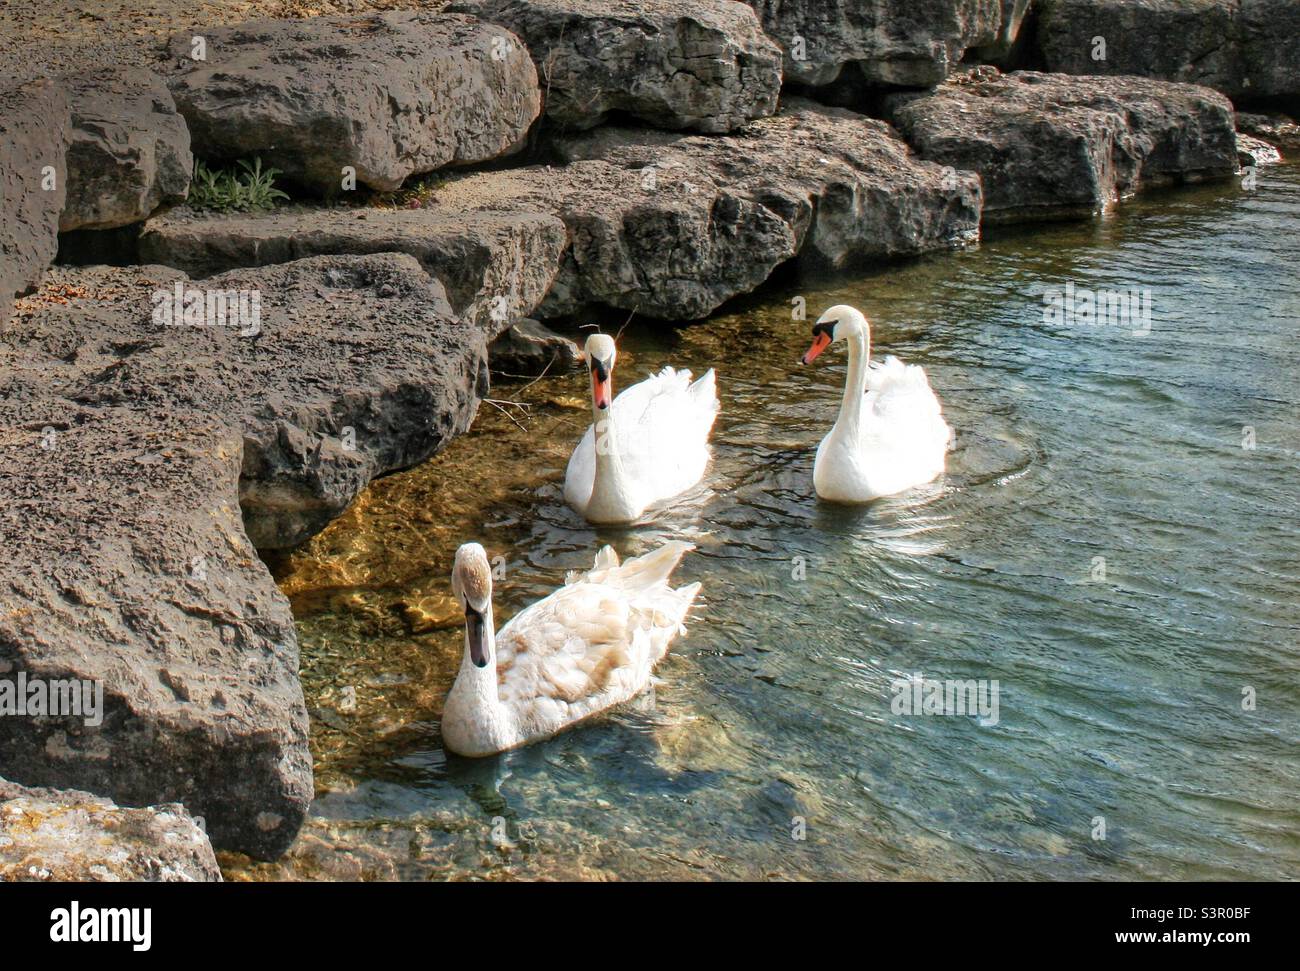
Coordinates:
[821,341]
[602,385]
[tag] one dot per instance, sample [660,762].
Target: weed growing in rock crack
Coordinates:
[246,188]
[419,194]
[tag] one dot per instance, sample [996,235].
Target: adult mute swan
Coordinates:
[890,434]
[588,646]
[649,444]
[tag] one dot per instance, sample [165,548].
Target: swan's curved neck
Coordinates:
[610,499]
[480,683]
[855,385]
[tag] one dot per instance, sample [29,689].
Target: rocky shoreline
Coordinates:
[239,378]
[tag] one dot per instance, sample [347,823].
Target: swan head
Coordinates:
[471,581]
[837,324]
[600,353]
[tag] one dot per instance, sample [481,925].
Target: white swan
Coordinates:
[588,646]
[890,434]
[650,445]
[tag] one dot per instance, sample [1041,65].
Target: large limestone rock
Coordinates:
[129,151]
[67,836]
[908,43]
[390,94]
[34,123]
[142,462]
[672,63]
[494,267]
[672,225]
[1244,48]
[127,566]
[1052,145]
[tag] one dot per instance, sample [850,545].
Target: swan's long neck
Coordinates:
[474,697]
[855,384]
[610,499]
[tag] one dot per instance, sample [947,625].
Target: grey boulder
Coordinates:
[129,151]
[671,63]
[1054,145]
[49,835]
[672,226]
[143,459]
[1245,48]
[907,43]
[34,121]
[388,95]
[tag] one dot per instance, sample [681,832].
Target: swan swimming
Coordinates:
[590,645]
[645,446]
[890,434]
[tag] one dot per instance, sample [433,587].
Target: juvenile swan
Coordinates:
[590,645]
[650,444]
[890,434]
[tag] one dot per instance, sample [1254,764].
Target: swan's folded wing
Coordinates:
[566,649]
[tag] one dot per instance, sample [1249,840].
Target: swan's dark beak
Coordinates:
[602,391]
[821,341]
[476,637]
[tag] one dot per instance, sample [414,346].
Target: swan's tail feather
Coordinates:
[652,569]
[704,392]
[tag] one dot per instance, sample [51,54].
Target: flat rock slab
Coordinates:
[493,267]
[1054,145]
[674,225]
[142,461]
[676,64]
[67,836]
[34,119]
[907,43]
[129,150]
[389,95]
[1245,48]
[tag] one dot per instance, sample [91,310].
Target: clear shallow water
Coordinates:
[1119,697]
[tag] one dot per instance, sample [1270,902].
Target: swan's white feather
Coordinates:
[590,645]
[662,428]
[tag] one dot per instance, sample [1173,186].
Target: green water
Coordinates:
[1103,546]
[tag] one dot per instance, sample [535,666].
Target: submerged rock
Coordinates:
[1275,129]
[906,43]
[493,267]
[60,835]
[34,120]
[389,95]
[129,151]
[1256,151]
[672,226]
[1244,48]
[1054,145]
[671,63]
[528,347]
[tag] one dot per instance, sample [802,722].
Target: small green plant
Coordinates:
[419,194]
[246,188]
